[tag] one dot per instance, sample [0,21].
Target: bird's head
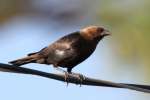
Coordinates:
[94,32]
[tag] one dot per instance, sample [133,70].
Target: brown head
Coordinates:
[94,32]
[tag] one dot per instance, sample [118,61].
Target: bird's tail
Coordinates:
[25,60]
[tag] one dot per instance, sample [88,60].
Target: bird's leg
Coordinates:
[59,69]
[66,77]
[66,74]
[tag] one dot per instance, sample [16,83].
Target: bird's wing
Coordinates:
[61,44]
[37,52]
[64,47]
[60,52]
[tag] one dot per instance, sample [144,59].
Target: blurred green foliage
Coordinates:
[130,23]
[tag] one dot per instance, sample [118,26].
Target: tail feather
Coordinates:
[25,60]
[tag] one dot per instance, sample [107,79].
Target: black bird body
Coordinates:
[70,50]
[67,52]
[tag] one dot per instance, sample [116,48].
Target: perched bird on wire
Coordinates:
[68,51]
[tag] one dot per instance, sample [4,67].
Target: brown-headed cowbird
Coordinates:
[68,51]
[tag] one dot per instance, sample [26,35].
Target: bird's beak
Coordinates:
[106,33]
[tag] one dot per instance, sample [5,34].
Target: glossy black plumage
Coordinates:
[69,50]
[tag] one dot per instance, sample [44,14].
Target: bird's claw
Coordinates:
[66,78]
[80,77]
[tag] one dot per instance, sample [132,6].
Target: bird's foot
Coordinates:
[66,77]
[66,74]
[80,77]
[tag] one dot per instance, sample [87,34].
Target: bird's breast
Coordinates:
[84,50]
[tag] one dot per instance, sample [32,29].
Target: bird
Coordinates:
[68,51]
